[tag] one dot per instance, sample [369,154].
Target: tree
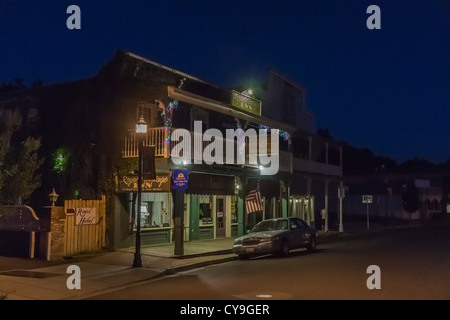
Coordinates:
[324,133]
[410,197]
[19,162]
[418,165]
[9,122]
[23,178]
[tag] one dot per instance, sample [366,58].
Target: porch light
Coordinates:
[53,196]
[141,126]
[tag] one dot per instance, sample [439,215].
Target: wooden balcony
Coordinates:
[305,165]
[160,138]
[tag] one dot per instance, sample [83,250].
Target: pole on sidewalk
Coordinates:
[137,261]
[341,196]
[367,204]
[178,217]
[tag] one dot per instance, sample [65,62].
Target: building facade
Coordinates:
[91,149]
[309,166]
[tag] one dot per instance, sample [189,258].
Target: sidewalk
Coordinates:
[110,271]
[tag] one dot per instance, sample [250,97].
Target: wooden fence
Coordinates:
[84,237]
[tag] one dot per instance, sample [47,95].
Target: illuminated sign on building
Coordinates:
[246,103]
[180,179]
[130,184]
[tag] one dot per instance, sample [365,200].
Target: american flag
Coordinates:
[253,202]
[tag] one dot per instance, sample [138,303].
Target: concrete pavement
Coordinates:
[104,272]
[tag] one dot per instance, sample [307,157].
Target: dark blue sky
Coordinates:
[387,90]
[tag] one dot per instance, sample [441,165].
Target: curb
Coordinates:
[156,276]
[204,254]
[202,264]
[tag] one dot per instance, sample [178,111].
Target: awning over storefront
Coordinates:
[210,184]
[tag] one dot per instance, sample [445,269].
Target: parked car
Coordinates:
[276,236]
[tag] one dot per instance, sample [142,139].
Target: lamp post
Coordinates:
[53,196]
[141,130]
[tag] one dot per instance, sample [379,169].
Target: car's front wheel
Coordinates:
[284,249]
[243,256]
[312,245]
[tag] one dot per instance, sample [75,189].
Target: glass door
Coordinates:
[220,217]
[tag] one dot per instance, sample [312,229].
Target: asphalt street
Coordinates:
[413,264]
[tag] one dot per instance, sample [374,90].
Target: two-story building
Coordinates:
[214,201]
[90,149]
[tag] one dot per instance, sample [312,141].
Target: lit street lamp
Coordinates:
[53,196]
[141,130]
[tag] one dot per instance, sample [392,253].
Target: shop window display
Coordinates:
[155,210]
[205,210]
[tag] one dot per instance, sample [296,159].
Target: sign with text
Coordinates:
[85,216]
[130,184]
[180,179]
[367,198]
[246,103]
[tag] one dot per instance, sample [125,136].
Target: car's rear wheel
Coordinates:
[312,246]
[284,249]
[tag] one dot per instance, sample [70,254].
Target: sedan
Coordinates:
[276,236]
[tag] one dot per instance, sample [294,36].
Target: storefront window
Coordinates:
[156,210]
[234,209]
[205,212]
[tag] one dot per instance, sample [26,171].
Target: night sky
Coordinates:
[384,89]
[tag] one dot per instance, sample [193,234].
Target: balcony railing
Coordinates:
[286,163]
[316,167]
[160,138]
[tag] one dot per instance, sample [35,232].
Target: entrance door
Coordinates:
[220,217]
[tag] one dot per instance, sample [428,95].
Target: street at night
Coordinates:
[200,152]
[413,265]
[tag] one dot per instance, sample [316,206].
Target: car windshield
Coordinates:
[269,225]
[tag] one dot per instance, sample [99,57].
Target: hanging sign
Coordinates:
[180,179]
[246,103]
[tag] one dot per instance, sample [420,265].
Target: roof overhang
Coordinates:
[227,109]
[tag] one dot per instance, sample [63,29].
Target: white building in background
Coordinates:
[387,201]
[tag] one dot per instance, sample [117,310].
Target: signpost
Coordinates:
[179,185]
[367,199]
